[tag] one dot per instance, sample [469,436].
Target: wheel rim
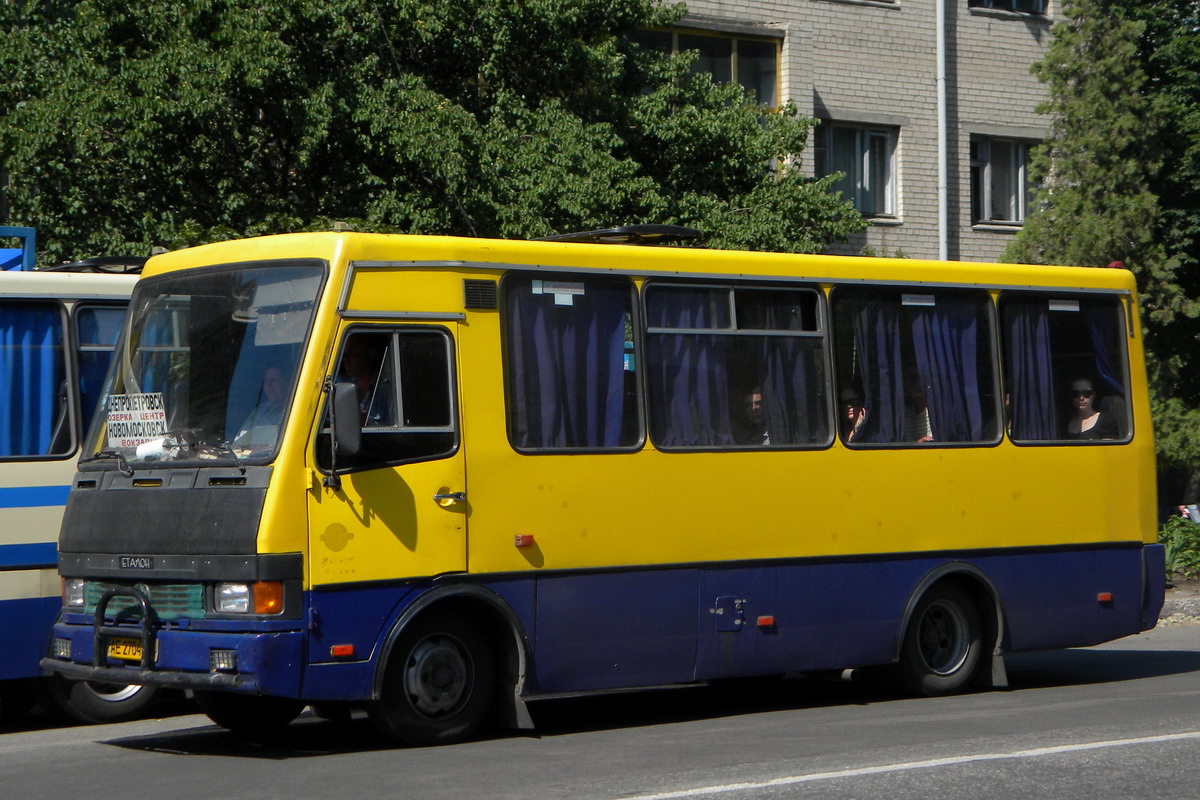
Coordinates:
[943,637]
[113,692]
[438,676]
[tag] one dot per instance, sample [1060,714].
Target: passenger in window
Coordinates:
[362,365]
[752,427]
[854,414]
[1088,422]
[916,414]
[261,428]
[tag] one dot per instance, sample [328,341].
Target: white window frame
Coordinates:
[986,206]
[859,182]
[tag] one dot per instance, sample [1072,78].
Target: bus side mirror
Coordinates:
[347,425]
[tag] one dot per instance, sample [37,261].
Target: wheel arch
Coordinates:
[976,583]
[496,620]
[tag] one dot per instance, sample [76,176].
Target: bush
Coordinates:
[1181,538]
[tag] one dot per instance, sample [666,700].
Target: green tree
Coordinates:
[1124,114]
[180,122]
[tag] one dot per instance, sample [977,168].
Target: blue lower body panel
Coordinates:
[25,632]
[600,630]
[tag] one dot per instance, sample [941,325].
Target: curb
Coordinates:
[1185,606]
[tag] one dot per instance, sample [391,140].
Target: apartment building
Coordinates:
[870,71]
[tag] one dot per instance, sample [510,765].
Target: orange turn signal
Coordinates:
[268,597]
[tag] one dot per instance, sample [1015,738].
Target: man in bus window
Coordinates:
[752,427]
[261,428]
[364,364]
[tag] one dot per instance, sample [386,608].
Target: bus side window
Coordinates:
[405,391]
[916,365]
[1053,346]
[735,367]
[34,417]
[568,374]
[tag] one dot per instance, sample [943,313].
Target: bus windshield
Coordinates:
[207,366]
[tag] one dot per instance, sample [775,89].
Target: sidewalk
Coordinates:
[1182,604]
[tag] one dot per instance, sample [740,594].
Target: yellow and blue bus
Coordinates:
[440,477]
[57,333]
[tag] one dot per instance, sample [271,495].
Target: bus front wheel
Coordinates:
[437,686]
[942,643]
[87,701]
[247,714]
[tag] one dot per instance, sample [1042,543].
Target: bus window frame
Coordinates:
[992,337]
[822,333]
[70,375]
[320,441]
[1124,313]
[637,333]
[77,348]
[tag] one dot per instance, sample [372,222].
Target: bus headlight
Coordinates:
[233,598]
[73,592]
[261,597]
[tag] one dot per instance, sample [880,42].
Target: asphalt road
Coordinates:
[1117,721]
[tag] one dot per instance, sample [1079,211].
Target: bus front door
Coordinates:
[400,511]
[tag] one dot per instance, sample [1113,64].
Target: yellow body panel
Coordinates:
[651,507]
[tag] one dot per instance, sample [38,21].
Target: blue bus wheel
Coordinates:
[438,683]
[942,643]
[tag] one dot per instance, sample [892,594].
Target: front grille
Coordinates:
[168,601]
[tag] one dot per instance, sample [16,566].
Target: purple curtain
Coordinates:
[567,365]
[792,374]
[877,347]
[687,373]
[1029,375]
[945,345]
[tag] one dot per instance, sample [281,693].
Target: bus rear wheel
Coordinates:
[437,687]
[942,643]
[87,701]
[247,714]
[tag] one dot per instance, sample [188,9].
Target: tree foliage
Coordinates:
[177,122]
[1119,180]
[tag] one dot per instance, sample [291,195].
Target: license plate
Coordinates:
[125,649]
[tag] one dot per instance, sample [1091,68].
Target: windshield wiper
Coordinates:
[122,465]
[225,448]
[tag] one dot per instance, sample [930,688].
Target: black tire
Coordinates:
[99,703]
[16,698]
[942,643]
[249,714]
[438,683]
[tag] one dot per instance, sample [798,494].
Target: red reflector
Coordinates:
[341,650]
[523,540]
[766,622]
[1104,597]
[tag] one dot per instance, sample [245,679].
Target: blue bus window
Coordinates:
[33,419]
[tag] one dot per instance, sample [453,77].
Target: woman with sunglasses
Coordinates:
[1088,422]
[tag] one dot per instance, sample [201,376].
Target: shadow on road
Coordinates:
[1071,667]
[310,737]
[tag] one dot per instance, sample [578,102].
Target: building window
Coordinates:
[1022,6]
[866,158]
[999,186]
[753,64]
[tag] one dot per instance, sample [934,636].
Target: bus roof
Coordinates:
[65,285]
[634,260]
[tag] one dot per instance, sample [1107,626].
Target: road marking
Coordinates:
[905,766]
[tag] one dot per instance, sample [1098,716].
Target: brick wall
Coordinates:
[875,62]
